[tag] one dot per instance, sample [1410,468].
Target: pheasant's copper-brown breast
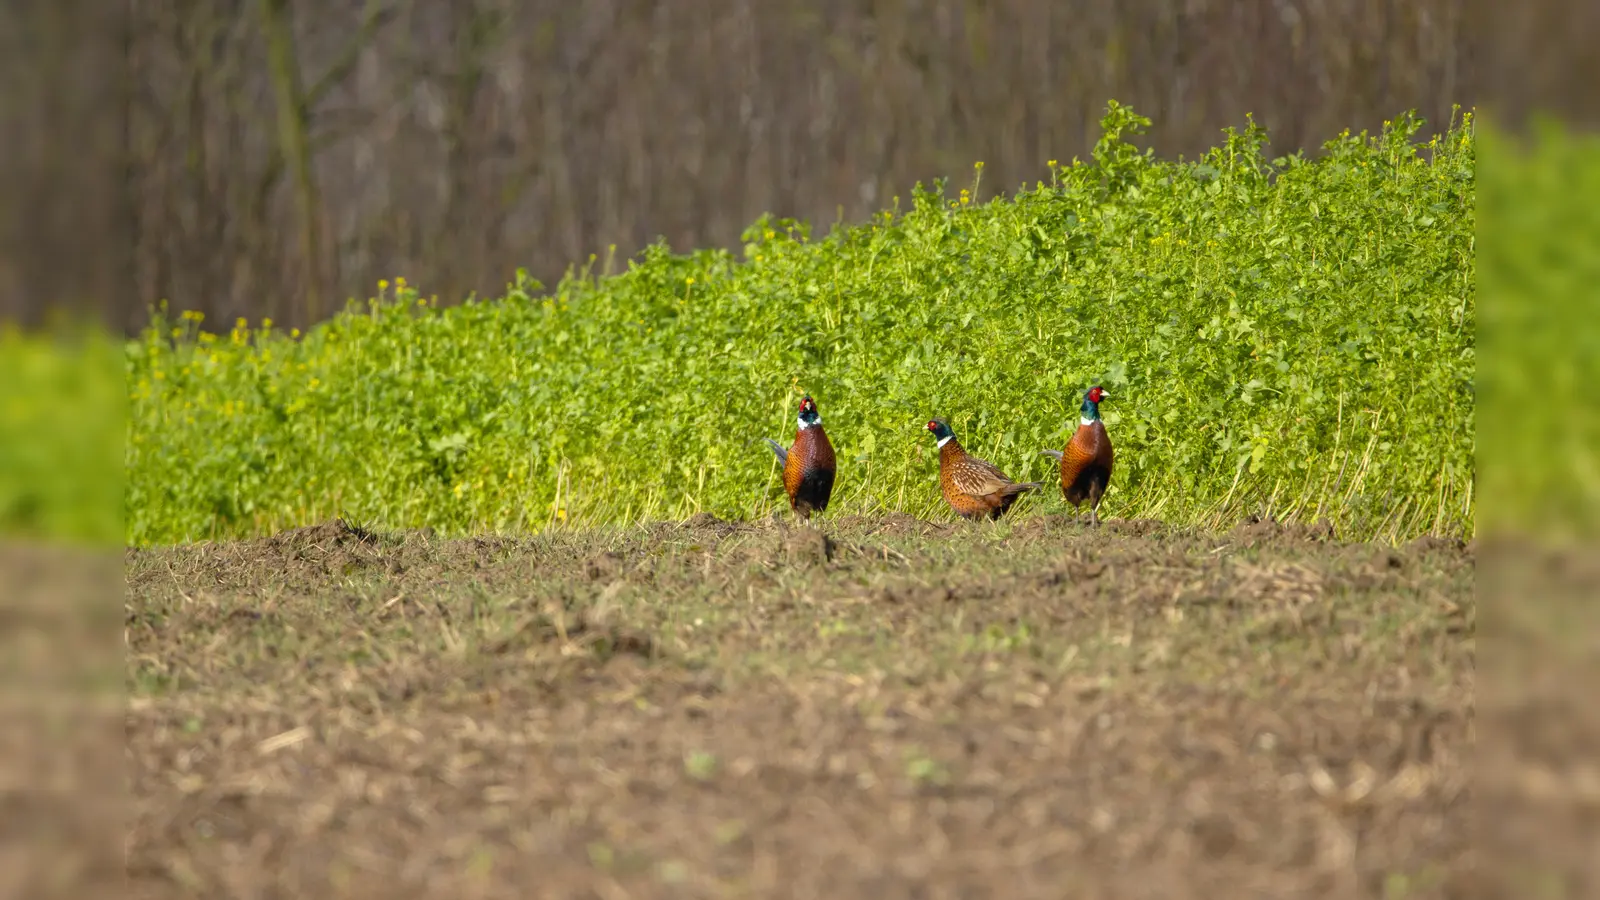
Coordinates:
[809,470]
[1086,463]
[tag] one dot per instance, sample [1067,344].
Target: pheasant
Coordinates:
[1086,462]
[808,464]
[975,488]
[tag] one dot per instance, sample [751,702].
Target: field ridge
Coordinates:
[884,707]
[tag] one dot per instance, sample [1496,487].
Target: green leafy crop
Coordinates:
[62,422]
[1291,336]
[1540,461]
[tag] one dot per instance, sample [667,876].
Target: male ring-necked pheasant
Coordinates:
[975,488]
[808,464]
[1086,462]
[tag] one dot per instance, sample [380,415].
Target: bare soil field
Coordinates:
[884,708]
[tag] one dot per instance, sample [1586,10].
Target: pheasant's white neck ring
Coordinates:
[1085,420]
[804,424]
[944,440]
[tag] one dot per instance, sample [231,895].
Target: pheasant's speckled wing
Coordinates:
[978,477]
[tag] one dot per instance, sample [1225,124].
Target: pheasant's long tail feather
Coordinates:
[1056,453]
[1024,486]
[783,455]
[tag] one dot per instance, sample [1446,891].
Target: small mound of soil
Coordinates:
[331,548]
[807,547]
[1134,527]
[324,537]
[710,523]
[603,566]
[1258,532]
[1432,543]
[894,523]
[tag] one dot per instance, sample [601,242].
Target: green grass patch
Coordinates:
[1541,330]
[1292,336]
[63,408]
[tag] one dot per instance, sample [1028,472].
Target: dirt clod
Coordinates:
[807,547]
[324,537]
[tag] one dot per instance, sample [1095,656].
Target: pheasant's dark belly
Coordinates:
[816,486]
[1080,476]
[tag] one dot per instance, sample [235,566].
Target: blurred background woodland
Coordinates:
[271,158]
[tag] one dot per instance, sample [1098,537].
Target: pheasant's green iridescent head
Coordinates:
[1091,404]
[941,431]
[808,413]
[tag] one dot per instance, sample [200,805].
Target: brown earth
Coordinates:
[884,708]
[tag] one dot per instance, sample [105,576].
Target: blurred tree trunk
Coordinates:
[128,222]
[453,144]
[295,145]
[475,28]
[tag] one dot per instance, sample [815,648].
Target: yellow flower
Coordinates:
[690,279]
[383,284]
[294,332]
[1052,164]
[265,324]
